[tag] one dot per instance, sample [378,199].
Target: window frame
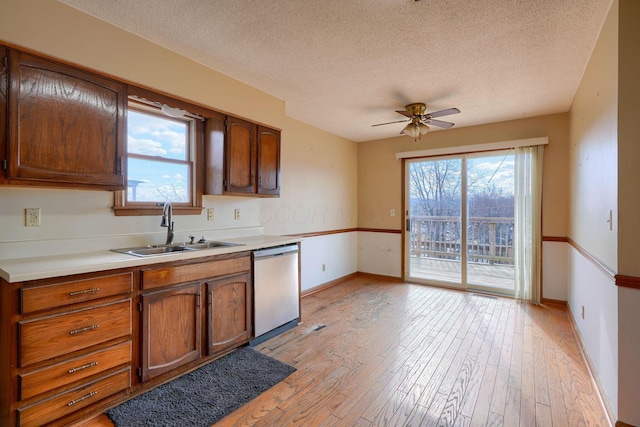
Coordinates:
[155,99]
[190,125]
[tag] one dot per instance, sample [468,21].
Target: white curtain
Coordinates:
[528,231]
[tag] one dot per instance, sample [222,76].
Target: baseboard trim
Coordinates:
[327,285]
[372,276]
[554,301]
[591,370]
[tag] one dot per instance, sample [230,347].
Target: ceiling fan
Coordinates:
[419,120]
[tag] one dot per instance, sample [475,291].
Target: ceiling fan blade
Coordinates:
[388,123]
[444,112]
[440,123]
[404,113]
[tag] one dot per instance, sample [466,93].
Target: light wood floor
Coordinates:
[371,353]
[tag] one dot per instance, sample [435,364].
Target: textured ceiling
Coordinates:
[343,65]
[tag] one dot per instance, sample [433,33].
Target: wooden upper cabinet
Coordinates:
[66,126]
[247,158]
[268,167]
[240,156]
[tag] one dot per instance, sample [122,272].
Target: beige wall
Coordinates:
[380,174]
[594,190]
[319,181]
[629,208]
[605,148]
[594,151]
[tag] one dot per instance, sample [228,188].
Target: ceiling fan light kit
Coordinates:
[415,130]
[415,113]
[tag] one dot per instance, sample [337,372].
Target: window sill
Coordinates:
[153,210]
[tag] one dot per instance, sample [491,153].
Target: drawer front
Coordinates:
[46,338]
[34,383]
[158,277]
[61,294]
[58,406]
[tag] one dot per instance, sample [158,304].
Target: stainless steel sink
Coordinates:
[209,245]
[155,250]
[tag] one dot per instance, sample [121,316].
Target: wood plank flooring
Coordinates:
[373,353]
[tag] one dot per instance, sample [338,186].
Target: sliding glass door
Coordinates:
[460,221]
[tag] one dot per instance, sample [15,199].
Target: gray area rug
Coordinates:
[206,395]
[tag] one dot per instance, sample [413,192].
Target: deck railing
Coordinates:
[489,239]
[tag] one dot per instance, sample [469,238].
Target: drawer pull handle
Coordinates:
[85,291]
[88,328]
[80,368]
[86,396]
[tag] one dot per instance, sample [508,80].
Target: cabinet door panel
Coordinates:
[65,125]
[240,156]
[230,312]
[268,161]
[171,334]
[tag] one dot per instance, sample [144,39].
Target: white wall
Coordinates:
[591,288]
[380,253]
[555,261]
[338,254]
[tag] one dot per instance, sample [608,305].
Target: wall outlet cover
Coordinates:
[32,217]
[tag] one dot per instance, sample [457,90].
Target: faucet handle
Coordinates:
[192,239]
[202,240]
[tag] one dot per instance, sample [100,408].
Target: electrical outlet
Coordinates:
[210,214]
[610,219]
[32,217]
[324,267]
[236,214]
[583,311]
[392,212]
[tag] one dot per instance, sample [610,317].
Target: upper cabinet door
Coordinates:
[66,126]
[268,161]
[240,156]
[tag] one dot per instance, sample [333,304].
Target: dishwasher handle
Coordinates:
[275,251]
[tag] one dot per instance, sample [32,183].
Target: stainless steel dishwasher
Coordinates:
[276,293]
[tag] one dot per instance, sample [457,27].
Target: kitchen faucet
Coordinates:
[167,221]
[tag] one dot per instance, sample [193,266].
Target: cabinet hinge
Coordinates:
[119,165]
[139,371]
[5,62]
[4,164]
[139,306]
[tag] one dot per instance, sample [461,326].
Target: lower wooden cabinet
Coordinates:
[71,347]
[229,312]
[74,346]
[171,330]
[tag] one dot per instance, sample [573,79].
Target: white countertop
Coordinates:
[33,268]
